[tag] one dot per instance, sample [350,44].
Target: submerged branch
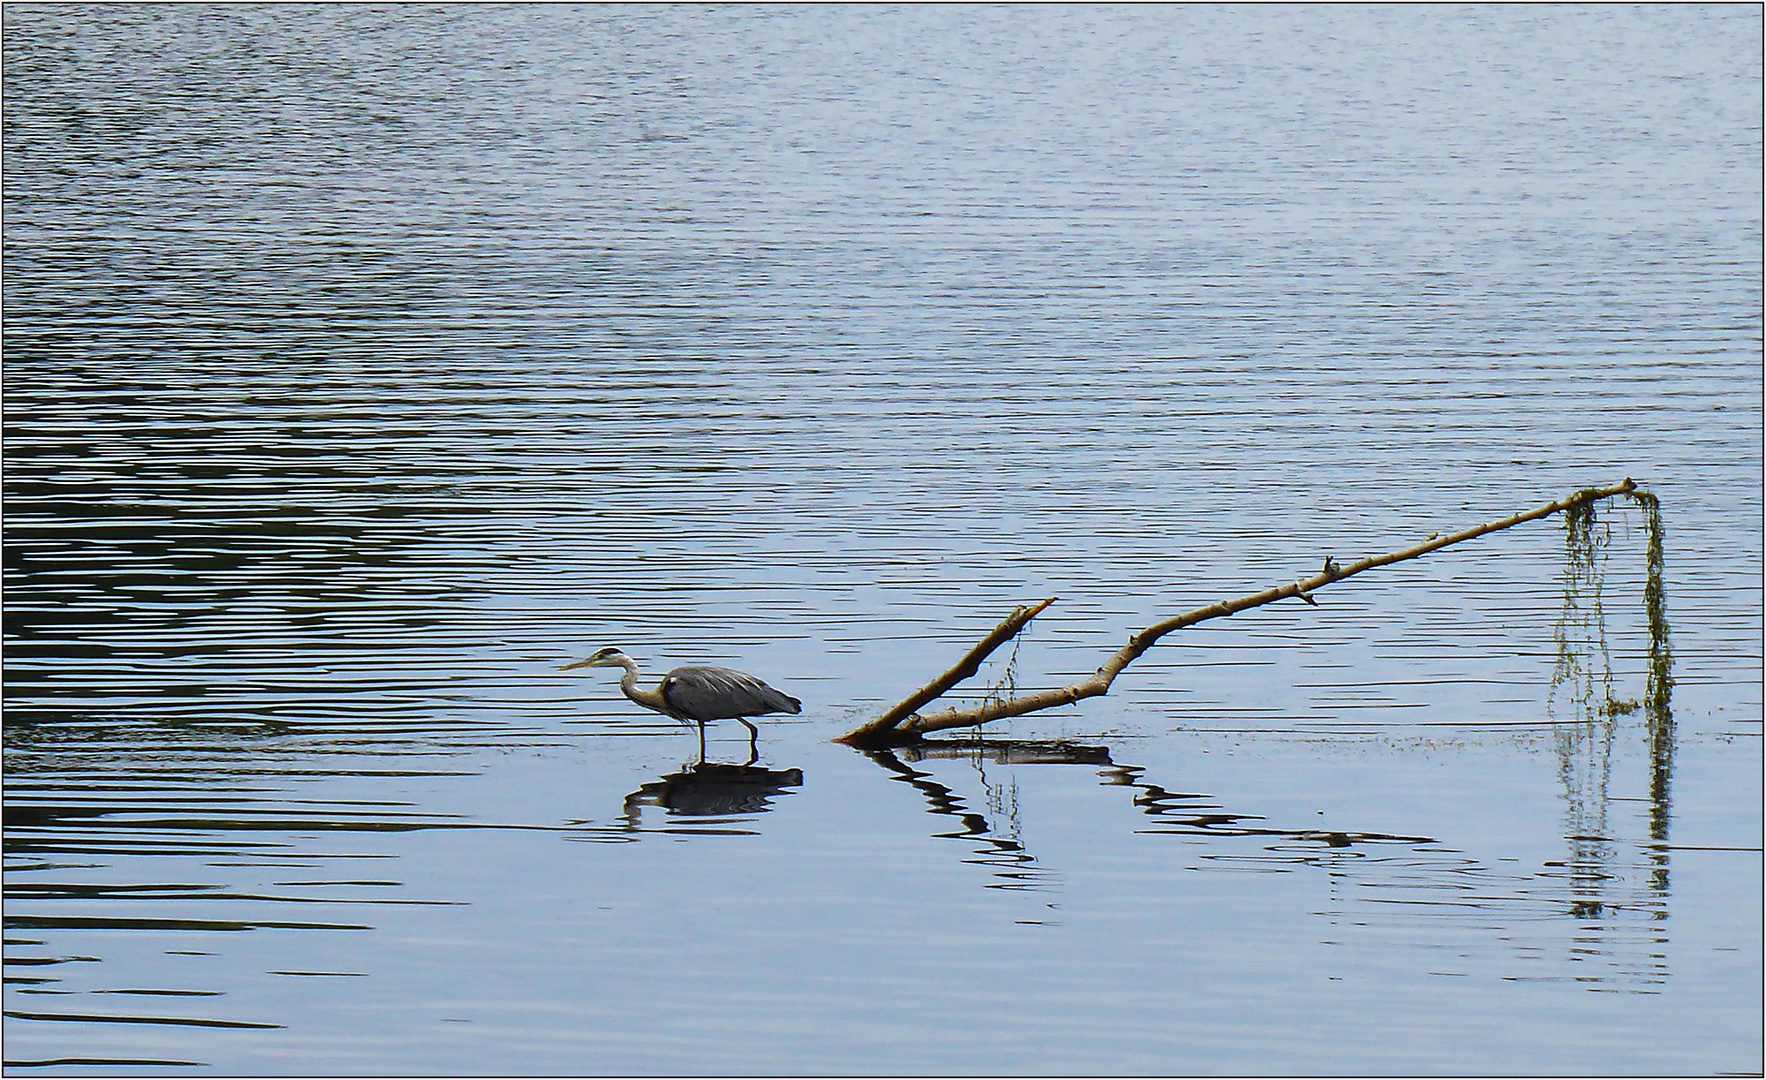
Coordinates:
[903,724]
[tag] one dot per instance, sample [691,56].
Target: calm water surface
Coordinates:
[364,365]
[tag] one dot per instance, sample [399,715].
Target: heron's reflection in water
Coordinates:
[713,789]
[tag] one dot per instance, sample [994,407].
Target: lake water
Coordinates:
[364,365]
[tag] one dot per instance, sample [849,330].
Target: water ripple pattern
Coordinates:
[364,365]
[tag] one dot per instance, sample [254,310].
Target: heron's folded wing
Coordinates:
[714,693]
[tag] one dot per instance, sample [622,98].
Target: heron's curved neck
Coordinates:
[628,685]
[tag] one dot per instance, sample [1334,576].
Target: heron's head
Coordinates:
[608,657]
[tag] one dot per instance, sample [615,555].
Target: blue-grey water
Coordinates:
[364,365]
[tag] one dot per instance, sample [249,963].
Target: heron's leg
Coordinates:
[753,741]
[701,742]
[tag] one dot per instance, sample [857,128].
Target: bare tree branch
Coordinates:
[903,724]
[963,669]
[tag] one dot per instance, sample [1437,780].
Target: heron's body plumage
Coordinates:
[714,693]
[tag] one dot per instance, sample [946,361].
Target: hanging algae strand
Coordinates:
[1661,657]
[1581,627]
[1660,687]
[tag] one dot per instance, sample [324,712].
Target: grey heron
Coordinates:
[698,694]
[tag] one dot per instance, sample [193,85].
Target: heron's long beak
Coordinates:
[579,663]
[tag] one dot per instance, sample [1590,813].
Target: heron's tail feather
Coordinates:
[777,701]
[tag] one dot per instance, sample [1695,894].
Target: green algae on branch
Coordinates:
[1581,631]
[1661,657]
[1581,627]
[902,724]
[1660,686]
[1585,743]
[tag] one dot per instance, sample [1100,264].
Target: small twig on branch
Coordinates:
[903,724]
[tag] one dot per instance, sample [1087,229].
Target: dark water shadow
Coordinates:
[712,789]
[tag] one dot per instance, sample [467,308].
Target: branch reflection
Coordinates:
[999,844]
[1376,879]
[1000,849]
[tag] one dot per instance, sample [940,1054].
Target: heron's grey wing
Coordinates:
[714,693]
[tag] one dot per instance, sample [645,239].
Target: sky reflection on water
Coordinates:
[363,365]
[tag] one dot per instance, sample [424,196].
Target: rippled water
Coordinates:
[363,365]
